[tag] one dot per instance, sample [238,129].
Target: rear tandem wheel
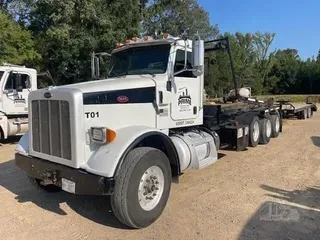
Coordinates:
[265,130]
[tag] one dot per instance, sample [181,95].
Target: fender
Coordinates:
[4,125]
[23,144]
[108,158]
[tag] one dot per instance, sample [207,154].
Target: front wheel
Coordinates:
[142,187]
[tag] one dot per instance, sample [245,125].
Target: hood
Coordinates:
[112,84]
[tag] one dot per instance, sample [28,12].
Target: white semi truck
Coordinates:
[131,135]
[16,83]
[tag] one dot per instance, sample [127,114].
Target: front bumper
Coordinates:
[52,173]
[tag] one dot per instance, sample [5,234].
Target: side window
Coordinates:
[179,64]
[17,81]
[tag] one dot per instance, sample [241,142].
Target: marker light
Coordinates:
[102,135]
[118,45]
[147,38]
[166,35]
[111,135]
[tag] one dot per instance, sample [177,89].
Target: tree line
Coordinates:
[60,35]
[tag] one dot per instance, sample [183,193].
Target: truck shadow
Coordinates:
[316,141]
[94,208]
[296,216]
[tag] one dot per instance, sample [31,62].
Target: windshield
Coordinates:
[140,60]
[1,74]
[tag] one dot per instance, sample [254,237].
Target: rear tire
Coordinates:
[265,130]
[46,188]
[254,132]
[142,187]
[1,135]
[304,114]
[309,113]
[275,123]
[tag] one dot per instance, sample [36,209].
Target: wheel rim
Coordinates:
[151,188]
[277,127]
[256,131]
[268,128]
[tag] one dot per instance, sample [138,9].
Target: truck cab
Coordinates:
[16,82]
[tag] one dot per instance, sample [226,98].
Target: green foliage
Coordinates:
[60,35]
[176,16]
[16,45]
[67,31]
[251,63]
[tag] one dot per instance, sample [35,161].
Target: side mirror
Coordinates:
[95,67]
[95,64]
[198,57]
[170,70]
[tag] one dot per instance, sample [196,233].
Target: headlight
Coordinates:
[102,134]
[98,134]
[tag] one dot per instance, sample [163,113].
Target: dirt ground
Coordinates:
[268,192]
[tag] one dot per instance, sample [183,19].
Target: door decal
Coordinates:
[19,101]
[184,100]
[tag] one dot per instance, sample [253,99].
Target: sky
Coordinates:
[296,23]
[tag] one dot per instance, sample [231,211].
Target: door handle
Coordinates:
[160,97]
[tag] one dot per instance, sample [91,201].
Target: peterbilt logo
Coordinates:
[122,99]
[47,95]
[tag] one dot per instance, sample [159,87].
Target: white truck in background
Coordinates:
[16,83]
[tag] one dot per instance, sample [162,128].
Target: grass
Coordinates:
[294,98]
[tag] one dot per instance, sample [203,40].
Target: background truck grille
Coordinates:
[51,128]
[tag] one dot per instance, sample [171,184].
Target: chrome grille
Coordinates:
[51,128]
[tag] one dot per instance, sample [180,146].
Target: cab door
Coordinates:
[15,93]
[186,89]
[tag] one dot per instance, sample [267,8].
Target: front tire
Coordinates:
[142,187]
